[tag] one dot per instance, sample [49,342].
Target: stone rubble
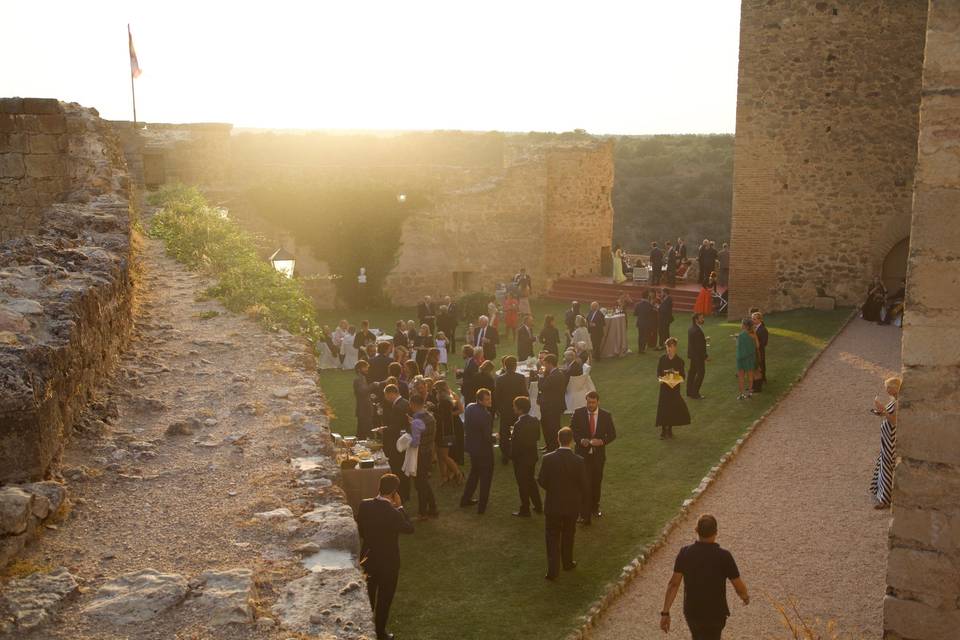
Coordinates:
[137,597]
[30,602]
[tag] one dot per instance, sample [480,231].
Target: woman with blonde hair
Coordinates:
[881,485]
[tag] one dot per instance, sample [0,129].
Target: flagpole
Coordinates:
[133,91]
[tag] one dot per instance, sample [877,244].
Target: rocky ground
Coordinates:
[793,507]
[184,516]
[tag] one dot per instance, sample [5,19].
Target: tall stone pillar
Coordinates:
[923,573]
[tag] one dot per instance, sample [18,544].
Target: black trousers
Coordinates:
[527,485]
[695,374]
[591,501]
[505,425]
[426,502]
[396,467]
[655,274]
[560,531]
[381,587]
[671,277]
[481,473]
[596,337]
[710,630]
[760,376]
[641,339]
[550,425]
[664,332]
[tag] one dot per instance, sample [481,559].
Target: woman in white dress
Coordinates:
[581,334]
[348,350]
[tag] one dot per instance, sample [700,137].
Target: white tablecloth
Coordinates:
[615,336]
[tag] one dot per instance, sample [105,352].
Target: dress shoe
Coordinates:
[521,514]
[469,503]
[536,510]
[384,636]
[598,514]
[585,522]
[433,514]
[571,566]
[550,578]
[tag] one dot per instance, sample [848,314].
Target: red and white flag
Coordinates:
[134,65]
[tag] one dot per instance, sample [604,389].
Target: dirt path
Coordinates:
[793,507]
[185,503]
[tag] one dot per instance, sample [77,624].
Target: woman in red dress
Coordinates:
[704,303]
[511,314]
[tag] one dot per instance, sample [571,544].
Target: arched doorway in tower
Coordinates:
[894,269]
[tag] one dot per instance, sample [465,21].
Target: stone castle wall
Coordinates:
[923,572]
[827,108]
[33,169]
[547,206]
[65,289]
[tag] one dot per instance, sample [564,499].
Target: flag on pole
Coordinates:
[134,65]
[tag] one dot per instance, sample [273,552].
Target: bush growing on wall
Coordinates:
[200,237]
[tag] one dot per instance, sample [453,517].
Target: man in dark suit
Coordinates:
[681,250]
[453,319]
[427,314]
[723,258]
[645,315]
[656,263]
[593,431]
[706,261]
[524,443]
[664,316]
[468,381]
[595,322]
[763,337]
[570,319]
[510,384]
[697,354]
[478,442]
[525,339]
[564,480]
[673,261]
[361,394]
[380,363]
[487,337]
[396,410]
[551,390]
[400,335]
[380,521]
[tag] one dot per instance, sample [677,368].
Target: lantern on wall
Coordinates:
[283,261]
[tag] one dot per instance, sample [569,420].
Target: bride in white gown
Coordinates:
[350,353]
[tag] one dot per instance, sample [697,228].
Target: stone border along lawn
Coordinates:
[474,576]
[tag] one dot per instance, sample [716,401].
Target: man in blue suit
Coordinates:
[478,442]
[563,477]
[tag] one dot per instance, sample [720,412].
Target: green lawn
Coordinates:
[471,576]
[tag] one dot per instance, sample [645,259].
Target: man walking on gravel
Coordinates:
[704,568]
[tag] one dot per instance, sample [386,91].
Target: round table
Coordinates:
[614,336]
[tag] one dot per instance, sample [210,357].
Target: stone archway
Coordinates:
[893,270]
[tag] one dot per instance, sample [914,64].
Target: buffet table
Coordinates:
[359,484]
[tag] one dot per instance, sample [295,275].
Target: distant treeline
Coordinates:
[672,186]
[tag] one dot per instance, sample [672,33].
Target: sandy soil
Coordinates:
[793,507]
[184,504]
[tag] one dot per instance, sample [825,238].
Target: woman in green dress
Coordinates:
[746,359]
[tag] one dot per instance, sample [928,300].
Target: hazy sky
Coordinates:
[632,66]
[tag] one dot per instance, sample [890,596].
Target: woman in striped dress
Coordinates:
[882,484]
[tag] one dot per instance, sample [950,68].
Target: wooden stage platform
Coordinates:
[603,290]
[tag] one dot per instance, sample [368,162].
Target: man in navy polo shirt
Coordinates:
[704,568]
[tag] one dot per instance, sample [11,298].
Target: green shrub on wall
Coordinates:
[347,226]
[200,237]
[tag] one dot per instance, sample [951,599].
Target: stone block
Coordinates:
[45,166]
[11,105]
[41,105]
[931,528]
[16,507]
[924,572]
[918,621]
[47,143]
[934,437]
[920,485]
[12,165]
[13,142]
[8,123]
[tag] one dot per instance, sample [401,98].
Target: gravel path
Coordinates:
[184,503]
[793,507]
